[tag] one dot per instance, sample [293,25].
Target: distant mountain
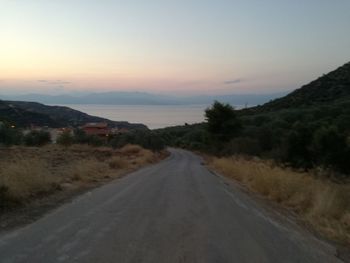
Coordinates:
[142,98]
[331,88]
[24,114]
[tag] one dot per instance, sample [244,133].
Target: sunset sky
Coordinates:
[174,47]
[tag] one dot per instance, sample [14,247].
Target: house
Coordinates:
[97,128]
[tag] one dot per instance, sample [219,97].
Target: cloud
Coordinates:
[233,81]
[54,82]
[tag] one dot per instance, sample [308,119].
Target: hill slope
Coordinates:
[18,116]
[24,114]
[331,88]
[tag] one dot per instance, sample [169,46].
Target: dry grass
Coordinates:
[131,149]
[23,178]
[146,156]
[88,170]
[322,203]
[118,162]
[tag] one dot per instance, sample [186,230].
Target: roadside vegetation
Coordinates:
[32,167]
[31,173]
[322,203]
[297,158]
[11,135]
[307,129]
[316,137]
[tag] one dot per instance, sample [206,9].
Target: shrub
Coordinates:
[65,138]
[10,135]
[37,138]
[94,140]
[330,148]
[243,146]
[148,140]
[80,136]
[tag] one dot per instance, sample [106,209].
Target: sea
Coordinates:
[154,116]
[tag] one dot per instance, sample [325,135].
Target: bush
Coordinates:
[94,140]
[330,148]
[148,140]
[80,136]
[37,138]
[10,135]
[65,139]
[243,146]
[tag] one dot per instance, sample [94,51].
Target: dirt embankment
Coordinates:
[34,180]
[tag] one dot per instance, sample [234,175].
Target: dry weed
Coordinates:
[87,170]
[324,204]
[25,178]
[131,149]
[118,162]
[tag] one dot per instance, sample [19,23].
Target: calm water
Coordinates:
[152,116]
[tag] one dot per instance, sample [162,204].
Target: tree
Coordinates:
[222,121]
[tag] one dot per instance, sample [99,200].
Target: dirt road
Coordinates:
[173,211]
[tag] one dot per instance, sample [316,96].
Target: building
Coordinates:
[97,128]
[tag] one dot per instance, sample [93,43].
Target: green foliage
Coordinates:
[37,138]
[94,140]
[65,139]
[222,121]
[80,136]
[10,135]
[146,139]
[328,89]
[331,148]
[306,137]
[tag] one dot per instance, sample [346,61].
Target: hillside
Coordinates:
[331,88]
[24,114]
[306,129]
[18,116]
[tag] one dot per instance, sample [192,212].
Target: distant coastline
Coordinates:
[143,98]
[153,116]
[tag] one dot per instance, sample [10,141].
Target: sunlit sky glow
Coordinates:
[175,47]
